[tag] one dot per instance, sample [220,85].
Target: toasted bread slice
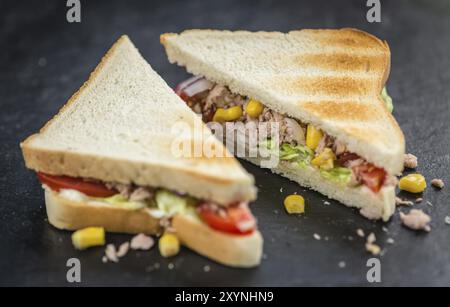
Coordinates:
[119,127]
[232,250]
[330,78]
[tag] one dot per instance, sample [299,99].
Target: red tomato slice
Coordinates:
[372,176]
[94,189]
[235,219]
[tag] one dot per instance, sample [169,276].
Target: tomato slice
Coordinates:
[372,176]
[90,188]
[236,219]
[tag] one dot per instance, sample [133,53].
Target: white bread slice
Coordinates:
[118,128]
[330,78]
[373,206]
[231,250]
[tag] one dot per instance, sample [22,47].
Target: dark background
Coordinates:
[44,59]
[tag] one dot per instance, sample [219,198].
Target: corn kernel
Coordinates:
[414,183]
[313,136]
[294,204]
[254,108]
[220,115]
[228,115]
[325,160]
[88,237]
[169,245]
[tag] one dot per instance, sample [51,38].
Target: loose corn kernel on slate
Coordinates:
[414,183]
[88,237]
[169,245]
[294,204]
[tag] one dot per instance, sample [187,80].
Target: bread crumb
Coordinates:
[104,259]
[281,190]
[416,219]
[371,238]
[123,249]
[384,229]
[410,160]
[360,232]
[111,254]
[326,203]
[438,183]
[342,264]
[171,266]
[419,200]
[316,236]
[429,203]
[390,241]
[447,220]
[401,202]
[206,268]
[373,249]
[142,242]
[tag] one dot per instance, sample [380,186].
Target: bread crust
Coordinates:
[231,250]
[346,67]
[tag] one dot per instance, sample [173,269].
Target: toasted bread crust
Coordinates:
[231,250]
[308,71]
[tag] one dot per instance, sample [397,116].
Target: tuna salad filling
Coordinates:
[300,144]
[161,203]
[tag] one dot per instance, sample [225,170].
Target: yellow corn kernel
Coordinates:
[325,160]
[88,237]
[169,245]
[414,183]
[228,115]
[294,204]
[313,136]
[254,108]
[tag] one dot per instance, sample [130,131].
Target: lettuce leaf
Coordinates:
[300,155]
[337,174]
[387,100]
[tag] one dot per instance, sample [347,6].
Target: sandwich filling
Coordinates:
[300,144]
[162,204]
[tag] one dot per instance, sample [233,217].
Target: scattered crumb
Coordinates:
[360,232]
[390,241]
[142,242]
[350,238]
[401,202]
[104,259]
[275,211]
[111,254]
[419,200]
[325,238]
[410,161]
[384,229]
[281,190]
[342,264]
[416,219]
[264,256]
[373,248]
[156,265]
[438,183]
[171,266]
[429,203]
[447,220]
[123,249]
[326,203]
[316,236]
[371,238]
[206,268]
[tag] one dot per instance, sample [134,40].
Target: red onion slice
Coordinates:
[193,86]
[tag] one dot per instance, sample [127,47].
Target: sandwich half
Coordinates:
[325,91]
[107,159]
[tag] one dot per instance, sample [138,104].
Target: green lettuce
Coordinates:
[119,201]
[300,155]
[387,100]
[171,203]
[337,174]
